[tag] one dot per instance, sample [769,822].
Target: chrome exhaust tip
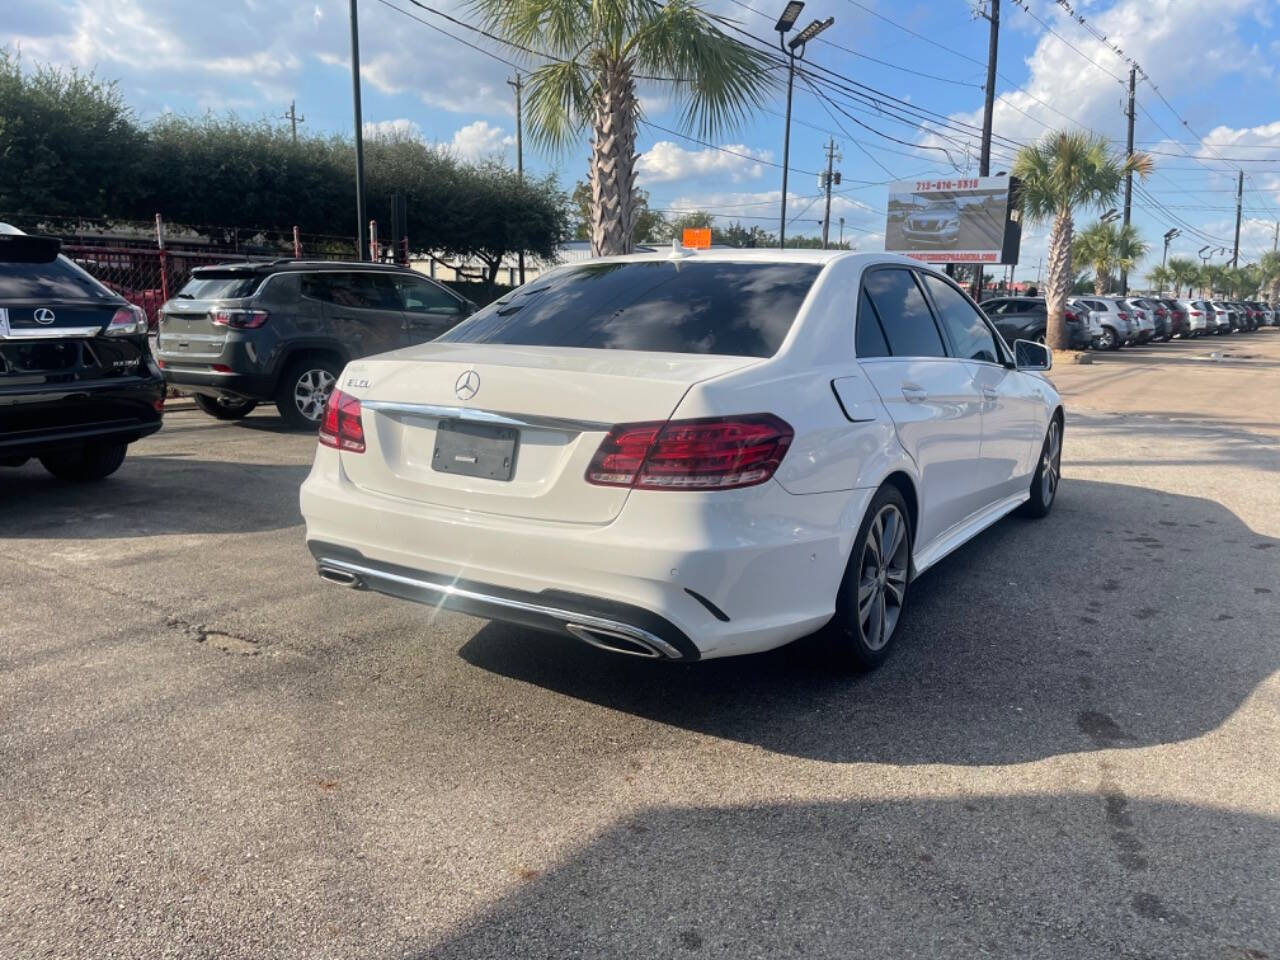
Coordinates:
[615,641]
[343,578]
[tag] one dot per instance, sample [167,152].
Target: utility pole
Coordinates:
[294,119]
[355,95]
[992,13]
[1275,241]
[1235,250]
[1128,179]
[518,85]
[828,179]
[842,231]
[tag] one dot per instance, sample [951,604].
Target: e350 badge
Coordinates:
[357,382]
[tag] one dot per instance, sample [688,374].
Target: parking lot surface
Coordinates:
[205,751]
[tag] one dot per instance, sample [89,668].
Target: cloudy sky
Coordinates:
[1209,109]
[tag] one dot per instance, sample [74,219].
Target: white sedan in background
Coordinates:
[687,456]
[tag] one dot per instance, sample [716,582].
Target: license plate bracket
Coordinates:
[475,450]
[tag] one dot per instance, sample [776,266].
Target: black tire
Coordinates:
[90,462]
[305,385]
[1110,340]
[873,592]
[1048,475]
[223,409]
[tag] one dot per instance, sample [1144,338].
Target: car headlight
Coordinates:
[126,321]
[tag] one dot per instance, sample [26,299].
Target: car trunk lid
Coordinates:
[440,420]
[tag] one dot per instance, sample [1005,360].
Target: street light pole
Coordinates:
[1169,236]
[794,49]
[355,92]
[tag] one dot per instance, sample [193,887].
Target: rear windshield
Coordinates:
[225,287]
[58,280]
[731,309]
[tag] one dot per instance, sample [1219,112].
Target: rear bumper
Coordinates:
[38,420]
[196,379]
[708,574]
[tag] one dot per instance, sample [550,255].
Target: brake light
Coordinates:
[126,321]
[239,319]
[341,426]
[1122,315]
[1071,317]
[713,453]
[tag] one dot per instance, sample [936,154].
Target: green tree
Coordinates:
[1269,274]
[1160,278]
[1182,273]
[597,50]
[1060,173]
[1094,245]
[69,145]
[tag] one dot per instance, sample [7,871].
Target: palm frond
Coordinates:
[719,79]
[558,104]
[557,27]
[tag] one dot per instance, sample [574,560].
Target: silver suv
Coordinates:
[1117,327]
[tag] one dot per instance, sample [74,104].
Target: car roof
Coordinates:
[765,255]
[285,265]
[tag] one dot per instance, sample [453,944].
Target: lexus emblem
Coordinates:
[467,385]
[44,315]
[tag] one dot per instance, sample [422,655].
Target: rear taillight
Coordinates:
[126,321]
[715,453]
[1196,313]
[341,427]
[1071,317]
[1122,315]
[239,319]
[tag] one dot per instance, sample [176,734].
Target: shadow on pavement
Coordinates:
[1127,618]
[1081,876]
[152,495]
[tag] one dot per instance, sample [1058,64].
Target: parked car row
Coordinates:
[1109,323]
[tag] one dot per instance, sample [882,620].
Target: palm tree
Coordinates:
[1094,245]
[1269,273]
[1129,248]
[597,52]
[1212,279]
[1059,173]
[1182,272]
[1160,277]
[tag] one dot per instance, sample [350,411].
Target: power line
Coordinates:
[465,43]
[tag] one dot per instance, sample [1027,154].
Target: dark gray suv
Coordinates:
[241,334]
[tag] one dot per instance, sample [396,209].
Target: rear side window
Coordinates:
[59,279]
[225,287]
[364,291]
[969,334]
[904,315]
[869,340]
[423,296]
[682,306]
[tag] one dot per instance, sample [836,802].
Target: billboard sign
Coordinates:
[956,220]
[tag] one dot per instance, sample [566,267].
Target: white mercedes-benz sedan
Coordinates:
[687,455]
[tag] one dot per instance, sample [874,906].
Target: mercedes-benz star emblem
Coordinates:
[44,315]
[467,385]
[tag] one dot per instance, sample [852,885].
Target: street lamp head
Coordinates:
[1175,232]
[1202,250]
[809,32]
[1110,215]
[789,15]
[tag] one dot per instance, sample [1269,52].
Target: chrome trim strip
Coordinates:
[202,337]
[370,576]
[49,333]
[442,412]
[592,636]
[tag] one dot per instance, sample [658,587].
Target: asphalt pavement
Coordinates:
[206,751]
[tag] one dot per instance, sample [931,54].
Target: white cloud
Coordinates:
[396,129]
[665,162]
[480,140]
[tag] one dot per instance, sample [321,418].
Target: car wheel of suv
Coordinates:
[303,390]
[1044,485]
[1107,340]
[90,462]
[873,593]
[223,408]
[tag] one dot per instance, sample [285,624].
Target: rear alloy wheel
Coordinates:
[224,408]
[1107,340]
[1044,485]
[873,593]
[90,462]
[303,392]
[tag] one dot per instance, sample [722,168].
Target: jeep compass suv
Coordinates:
[241,334]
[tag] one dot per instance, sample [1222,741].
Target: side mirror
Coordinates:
[1031,356]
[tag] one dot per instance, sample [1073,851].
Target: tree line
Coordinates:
[71,150]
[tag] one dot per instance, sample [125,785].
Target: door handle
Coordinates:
[914,393]
[989,392]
